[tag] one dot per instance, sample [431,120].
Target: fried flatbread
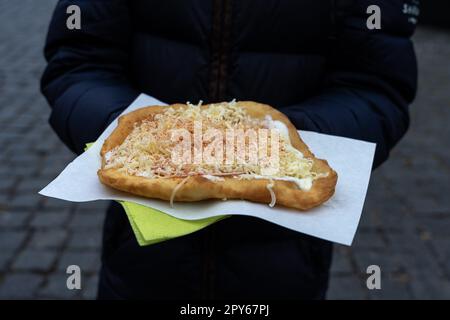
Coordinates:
[199,187]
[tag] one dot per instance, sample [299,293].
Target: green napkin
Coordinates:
[151,226]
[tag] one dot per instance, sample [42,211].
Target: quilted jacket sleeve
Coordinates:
[371,78]
[86,79]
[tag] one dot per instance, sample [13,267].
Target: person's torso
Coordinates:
[270,51]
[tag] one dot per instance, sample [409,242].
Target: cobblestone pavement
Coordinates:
[404,228]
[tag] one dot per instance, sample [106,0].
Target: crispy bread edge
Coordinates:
[199,188]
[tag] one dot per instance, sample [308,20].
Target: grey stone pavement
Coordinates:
[405,227]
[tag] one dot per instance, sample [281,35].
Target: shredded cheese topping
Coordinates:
[175,190]
[273,197]
[146,152]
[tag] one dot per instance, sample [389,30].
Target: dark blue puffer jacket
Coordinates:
[316,61]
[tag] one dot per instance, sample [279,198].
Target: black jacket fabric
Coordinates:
[316,61]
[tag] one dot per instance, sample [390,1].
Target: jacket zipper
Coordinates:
[220,43]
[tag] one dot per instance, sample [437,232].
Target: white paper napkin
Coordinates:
[336,220]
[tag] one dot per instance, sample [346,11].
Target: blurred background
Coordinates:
[405,226]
